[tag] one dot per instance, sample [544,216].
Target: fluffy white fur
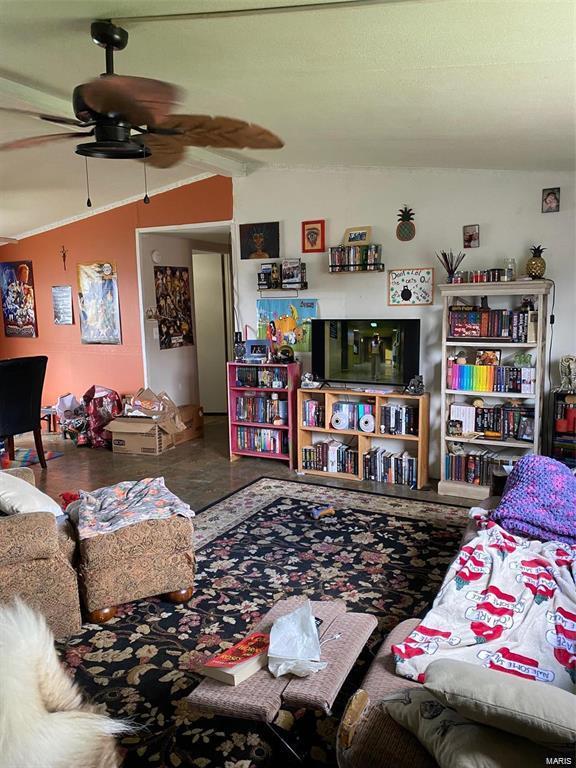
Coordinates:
[43,721]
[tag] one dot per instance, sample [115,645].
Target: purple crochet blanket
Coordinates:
[539,501]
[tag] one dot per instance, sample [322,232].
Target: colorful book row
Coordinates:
[313,413]
[473,468]
[500,422]
[349,415]
[398,420]
[491,378]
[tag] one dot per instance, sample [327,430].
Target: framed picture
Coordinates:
[409,287]
[62,305]
[291,273]
[488,357]
[260,241]
[99,303]
[173,307]
[526,429]
[471,235]
[358,236]
[314,236]
[18,299]
[551,200]
[257,347]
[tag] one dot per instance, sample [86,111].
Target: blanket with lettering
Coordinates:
[506,603]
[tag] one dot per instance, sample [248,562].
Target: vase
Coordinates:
[535,267]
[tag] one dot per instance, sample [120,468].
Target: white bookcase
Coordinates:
[504,295]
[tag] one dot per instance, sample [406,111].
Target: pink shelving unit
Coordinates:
[262,439]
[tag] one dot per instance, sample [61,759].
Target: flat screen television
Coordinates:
[366,351]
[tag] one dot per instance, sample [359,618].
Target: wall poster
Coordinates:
[18,301]
[407,287]
[62,305]
[173,306]
[291,319]
[99,303]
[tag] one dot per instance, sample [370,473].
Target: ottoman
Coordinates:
[148,558]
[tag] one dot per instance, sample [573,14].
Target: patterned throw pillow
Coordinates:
[456,742]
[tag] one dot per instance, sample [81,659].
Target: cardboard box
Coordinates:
[193,418]
[141,436]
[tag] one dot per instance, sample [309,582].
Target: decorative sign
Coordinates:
[62,305]
[18,302]
[99,303]
[407,287]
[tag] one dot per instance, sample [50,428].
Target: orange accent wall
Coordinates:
[107,236]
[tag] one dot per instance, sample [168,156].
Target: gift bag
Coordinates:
[102,405]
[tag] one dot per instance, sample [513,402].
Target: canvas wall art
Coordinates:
[291,318]
[99,303]
[260,241]
[173,306]
[18,299]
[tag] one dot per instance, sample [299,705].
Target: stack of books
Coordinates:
[262,440]
[330,456]
[475,465]
[313,413]
[398,420]
[260,409]
[387,467]
[498,422]
[520,325]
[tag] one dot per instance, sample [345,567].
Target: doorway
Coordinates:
[190,367]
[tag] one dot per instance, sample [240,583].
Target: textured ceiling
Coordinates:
[415,83]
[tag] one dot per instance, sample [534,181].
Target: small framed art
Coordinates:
[488,356]
[314,236]
[471,235]
[551,200]
[358,236]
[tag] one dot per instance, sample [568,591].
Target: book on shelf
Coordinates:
[330,456]
[387,467]
[475,465]
[313,413]
[496,423]
[506,379]
[261,409]
[518,325]
[398,420]
[262,440]
[239,662]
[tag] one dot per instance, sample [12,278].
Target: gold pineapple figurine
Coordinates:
[536,266]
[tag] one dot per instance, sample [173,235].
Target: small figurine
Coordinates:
[415,386]
[317,512]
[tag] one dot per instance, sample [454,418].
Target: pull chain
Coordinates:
[146,198]
[88,201]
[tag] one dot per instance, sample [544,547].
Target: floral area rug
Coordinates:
[382,555]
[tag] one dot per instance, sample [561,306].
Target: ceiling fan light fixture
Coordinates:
[113,150]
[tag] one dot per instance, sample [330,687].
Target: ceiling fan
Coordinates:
[131,117]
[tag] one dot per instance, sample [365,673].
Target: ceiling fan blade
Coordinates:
[140,100]
[223,132]
[166,150]
[41,116]
[33,141]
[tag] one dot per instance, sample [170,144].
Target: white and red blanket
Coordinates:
[506,603]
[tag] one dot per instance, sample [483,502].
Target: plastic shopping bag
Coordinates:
[294,645]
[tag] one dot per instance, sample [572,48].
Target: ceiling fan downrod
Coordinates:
[110,37]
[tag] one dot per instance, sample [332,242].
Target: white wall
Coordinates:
[505,204]
[210,331]
[174,371]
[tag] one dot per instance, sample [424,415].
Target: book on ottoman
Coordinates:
[239,662]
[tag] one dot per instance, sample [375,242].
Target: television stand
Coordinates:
[407,432]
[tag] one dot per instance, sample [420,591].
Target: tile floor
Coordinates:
[199,471]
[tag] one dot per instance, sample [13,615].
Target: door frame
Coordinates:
[181,229]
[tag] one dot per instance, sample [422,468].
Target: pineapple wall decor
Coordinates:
[406,228]
[536,266]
